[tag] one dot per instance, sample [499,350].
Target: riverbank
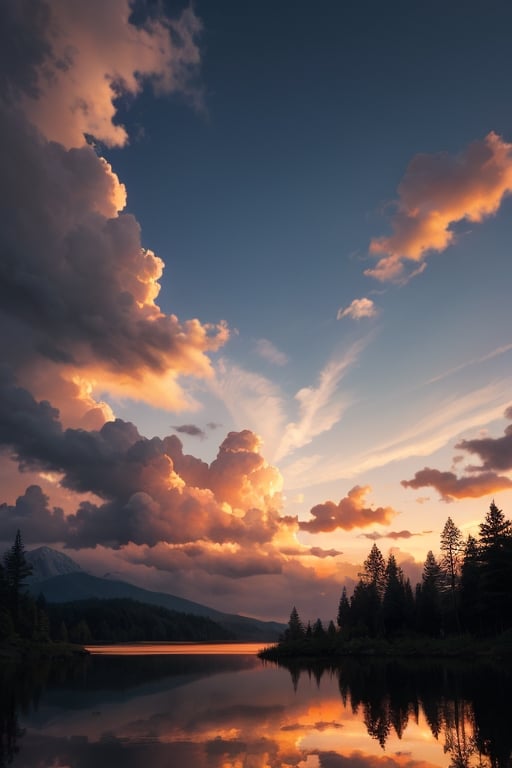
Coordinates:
[457,646]
[16,651]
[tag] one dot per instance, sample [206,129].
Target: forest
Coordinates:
[466,590]
[23,618]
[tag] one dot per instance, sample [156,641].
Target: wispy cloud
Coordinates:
[358,309]
[189,429]
[475,361]
[437,191]
[434,430]
[268,351]
[320,406]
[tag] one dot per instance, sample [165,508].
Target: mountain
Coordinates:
[78,585]
[47,562]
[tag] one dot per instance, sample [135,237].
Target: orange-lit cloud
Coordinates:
[450,487]
[357,309]
[349,513]
[90,54]
[436,192]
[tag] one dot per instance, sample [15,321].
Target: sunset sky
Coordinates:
[272,240]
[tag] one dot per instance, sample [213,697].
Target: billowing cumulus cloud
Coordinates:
[85,56]
[357,309]
[78,291]
[450,487]
[152,491]
[437,192]
[348,514]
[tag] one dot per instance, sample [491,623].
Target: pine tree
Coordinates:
[394,607]
[295,630]
[428,601]
[17,570]
[375,570]
[451,547]
[496,568]
[470,587]
[343,618]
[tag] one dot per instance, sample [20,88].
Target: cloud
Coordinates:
[151,490]
[496,456]
[392,535]
[78,290]
[190,429]
[437,192]
[270,352]
[32,515]
[495,453]
[86,56]
[323,553]
[357,309]
[320,406]
[450,487]
[349,513]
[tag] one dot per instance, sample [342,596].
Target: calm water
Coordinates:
[191,707]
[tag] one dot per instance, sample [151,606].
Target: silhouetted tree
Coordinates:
[394,603]
[295,629]
[17,570]
[343,618]
[451,548]
[375,570]
[496,567]
[428,601]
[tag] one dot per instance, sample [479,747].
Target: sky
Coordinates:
[254,288]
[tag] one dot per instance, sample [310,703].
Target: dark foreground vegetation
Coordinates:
[463,605]
[30,626]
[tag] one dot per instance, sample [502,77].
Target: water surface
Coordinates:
[231,710]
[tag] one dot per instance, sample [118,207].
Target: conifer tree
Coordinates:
[451,547]
[375,570]
[17,570]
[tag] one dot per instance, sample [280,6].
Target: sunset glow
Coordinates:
[255,291]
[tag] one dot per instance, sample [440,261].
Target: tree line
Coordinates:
[467,588]
[23,617]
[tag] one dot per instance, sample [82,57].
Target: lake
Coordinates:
[221,707]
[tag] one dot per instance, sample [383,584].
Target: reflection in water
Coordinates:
[237,712]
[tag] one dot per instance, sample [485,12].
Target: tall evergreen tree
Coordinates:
[451,548]
[375,570]
[428,602]
[496,568]
[470,587]
[343,617]
[295,629]
[394,604]
[17,570]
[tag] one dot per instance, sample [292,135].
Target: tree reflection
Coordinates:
[465,705]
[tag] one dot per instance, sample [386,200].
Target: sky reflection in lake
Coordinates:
[236,712]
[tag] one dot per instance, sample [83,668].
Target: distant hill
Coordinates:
[78,585]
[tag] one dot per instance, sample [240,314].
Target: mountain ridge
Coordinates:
[80,585]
